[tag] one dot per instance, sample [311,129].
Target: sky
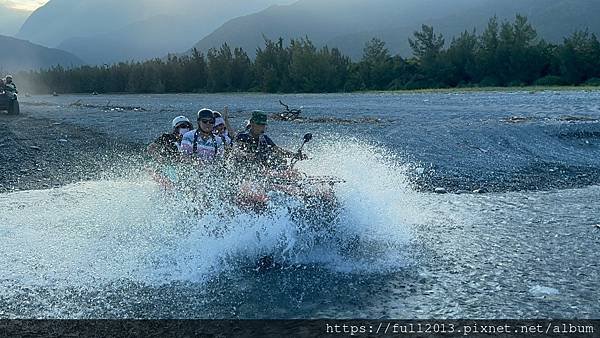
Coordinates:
[26,5]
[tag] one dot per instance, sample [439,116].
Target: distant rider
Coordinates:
[202,143]
[9,86]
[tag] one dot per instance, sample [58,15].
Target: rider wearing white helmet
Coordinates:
[168,145]
[9,85]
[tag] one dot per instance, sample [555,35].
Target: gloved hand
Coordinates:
[301,156]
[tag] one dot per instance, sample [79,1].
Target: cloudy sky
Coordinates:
[28,5]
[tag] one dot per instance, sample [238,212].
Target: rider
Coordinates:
[272,174]
[255,146]
[9,85]
[201,142]
[165,151]
[222,128]
[168,145]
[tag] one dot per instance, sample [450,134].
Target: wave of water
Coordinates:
[106,231]
[123,248]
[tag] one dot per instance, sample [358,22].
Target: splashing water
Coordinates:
[129,230]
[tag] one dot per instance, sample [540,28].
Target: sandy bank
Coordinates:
[39,153]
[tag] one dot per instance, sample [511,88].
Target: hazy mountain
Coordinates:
[58,20]
[553,20]
[348,24]
[11,20]
[23,55]
[104,31]
[323,21]
[154,37]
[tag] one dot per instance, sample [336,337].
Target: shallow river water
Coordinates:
[526,248]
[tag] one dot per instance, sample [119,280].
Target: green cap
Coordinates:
[259,117]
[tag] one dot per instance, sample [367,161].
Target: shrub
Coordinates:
[516,83]
[489,81]
[595,81]
[549,80]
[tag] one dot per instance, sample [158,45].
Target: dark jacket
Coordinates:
[11,87]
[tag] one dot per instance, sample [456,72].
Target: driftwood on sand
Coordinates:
[107,106]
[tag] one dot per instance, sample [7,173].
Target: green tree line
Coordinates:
[504,54]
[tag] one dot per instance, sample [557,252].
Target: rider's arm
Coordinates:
[241,149]
[186,143]
[289,154]
[154,149]
[232,133]
[238,153]
[283,152]
[278,150]
[220,154]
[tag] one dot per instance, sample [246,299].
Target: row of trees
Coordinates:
[505,54]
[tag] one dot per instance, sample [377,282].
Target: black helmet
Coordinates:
[205,113]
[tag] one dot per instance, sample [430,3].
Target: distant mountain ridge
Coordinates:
[58,20]
[552,19]
[141,40]
[107,31]
[23,55]
[323,21]
[349,24]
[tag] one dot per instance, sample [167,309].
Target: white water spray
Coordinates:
[105,231]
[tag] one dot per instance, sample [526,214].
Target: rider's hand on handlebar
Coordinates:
[301,156]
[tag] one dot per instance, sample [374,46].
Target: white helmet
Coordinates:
[178,120]
[219,121]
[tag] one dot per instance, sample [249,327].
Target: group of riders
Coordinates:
[215,141]
[7,86]
[247,160]
[215,164]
